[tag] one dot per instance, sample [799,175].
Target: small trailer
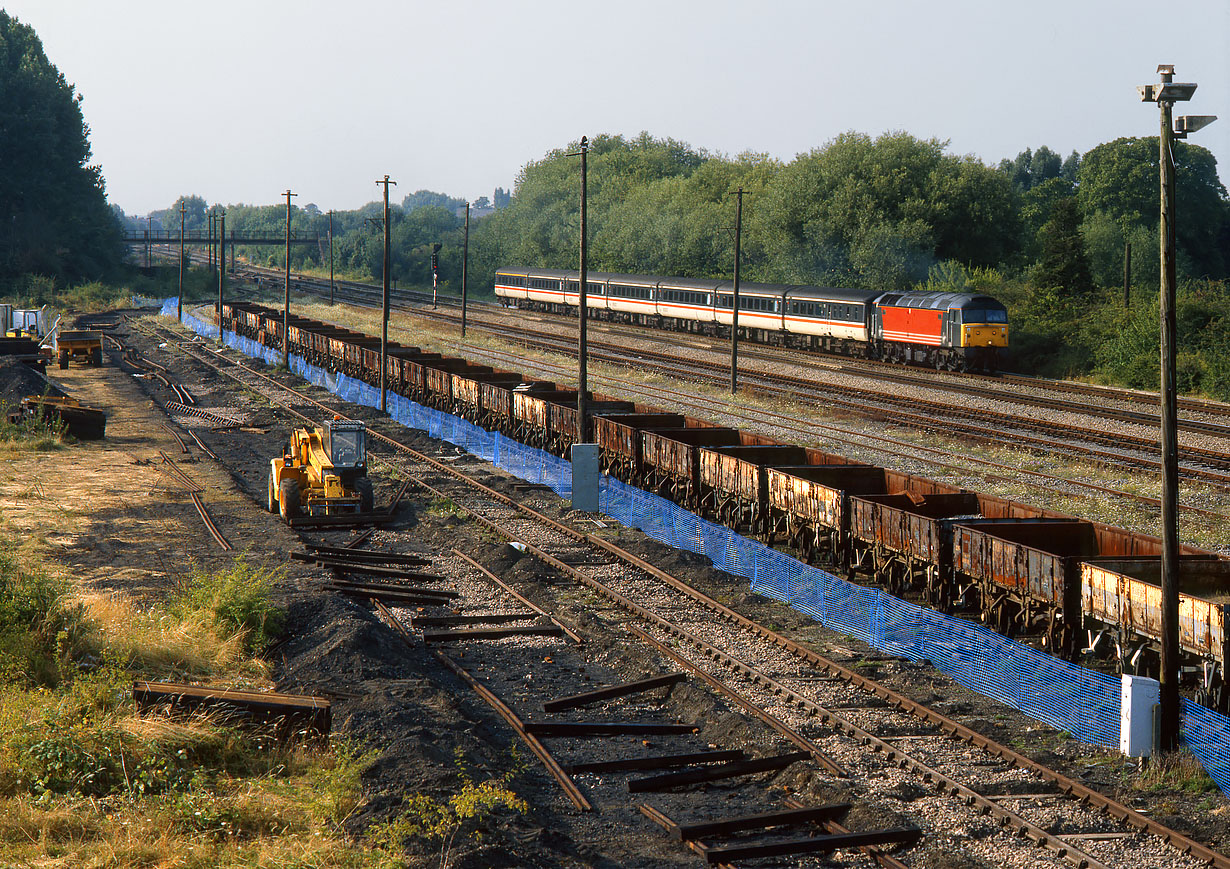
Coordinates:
[81,345]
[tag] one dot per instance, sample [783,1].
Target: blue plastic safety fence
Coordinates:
[1066,696]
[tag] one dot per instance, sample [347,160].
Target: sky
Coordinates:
[238,101]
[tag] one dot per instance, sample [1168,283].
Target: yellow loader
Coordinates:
[323,472]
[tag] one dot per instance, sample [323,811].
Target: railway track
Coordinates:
[1122,450]
[982,385]
[985,425]
[806,691]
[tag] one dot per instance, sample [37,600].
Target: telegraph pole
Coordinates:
[286,304]
[1127,274]
[149,234]
[1169,695]
[1166,94]
[734,310]
[465,262]
[384,308]
[221,267]
[179,304]
[582,301]
[330,256]
[209,244]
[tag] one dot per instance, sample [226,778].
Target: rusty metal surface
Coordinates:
[673,452]
[816,494]
[1125,593]
[909,525]
[740,470]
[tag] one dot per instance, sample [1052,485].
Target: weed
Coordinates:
[461,815]
[40,433]
[339,783]
[1175,771]
[236,600]
[445,507]
[40,628]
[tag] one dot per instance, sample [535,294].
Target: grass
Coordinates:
[1175,771]
[30,434]
[86,780]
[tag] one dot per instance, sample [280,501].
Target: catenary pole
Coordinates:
[582,301]
[179,305]
[330,256]
[221,267]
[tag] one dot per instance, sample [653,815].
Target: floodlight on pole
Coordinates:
[1166,94]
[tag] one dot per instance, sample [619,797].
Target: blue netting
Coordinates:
[1066,696]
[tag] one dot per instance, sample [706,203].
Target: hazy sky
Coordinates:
[236,101]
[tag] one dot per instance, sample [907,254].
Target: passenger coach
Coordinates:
[947,330]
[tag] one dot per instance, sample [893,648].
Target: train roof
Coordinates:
[938,301]
[845,295]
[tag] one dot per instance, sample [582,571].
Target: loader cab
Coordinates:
[345,443]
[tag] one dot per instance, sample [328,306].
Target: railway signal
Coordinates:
[435,271]
[1166,94]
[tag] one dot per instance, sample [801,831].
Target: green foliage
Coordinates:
[237,600]
[460,815]
[1120,178]
[53,201]
[40,627]
[1064,265]
[339,784]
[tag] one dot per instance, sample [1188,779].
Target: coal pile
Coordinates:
[17,380]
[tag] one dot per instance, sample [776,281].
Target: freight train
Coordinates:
[1081,586]
[956,331]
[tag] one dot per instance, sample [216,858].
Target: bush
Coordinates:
[40,628]
[236,600]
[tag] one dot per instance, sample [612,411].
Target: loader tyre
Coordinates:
[96,356]
[288,495]
[366,498]
[272,505]
[63,360]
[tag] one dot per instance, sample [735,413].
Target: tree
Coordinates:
[833,197]
[53,200]
[426,198]
[1120,178]
[1065,264]
[1032,168]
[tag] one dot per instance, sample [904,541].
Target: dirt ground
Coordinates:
[114,516]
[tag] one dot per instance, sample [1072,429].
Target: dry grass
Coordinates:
[1175,771]
[168,647]
[87,781]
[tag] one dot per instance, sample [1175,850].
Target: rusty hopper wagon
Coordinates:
[672,463]
[904,539]
[809,506]
[734,486]
[1021,569]
[618,436]
[1122,603]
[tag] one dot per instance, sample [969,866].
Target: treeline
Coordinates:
[1045,234]
[57,224]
